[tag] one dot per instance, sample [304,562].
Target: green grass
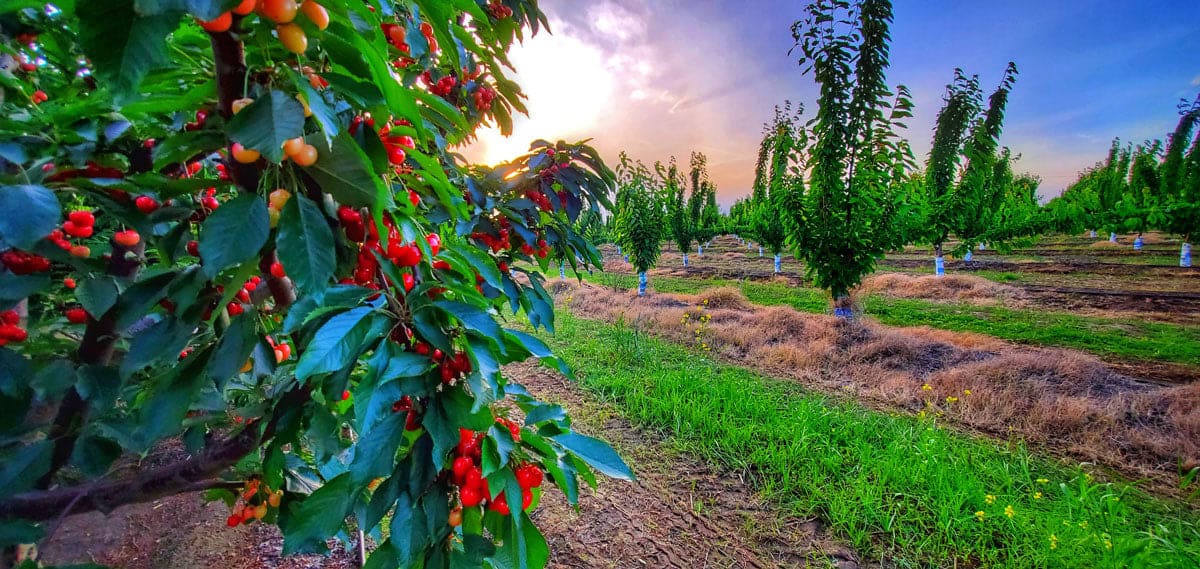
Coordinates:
[895,487]
[1124,338]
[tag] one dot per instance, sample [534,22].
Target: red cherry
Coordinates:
[434,241]
[499,504]
[75,230]
[470,497]
[82,218]
[474,478]
[526,499]
[345,395]
[146,204]
[396,155]
[529,476]
[193,248]
[422,348]
[233,520]
[69,282]
[409,282]
[414,197]
[77,315]
[460,467]
[277,270]
[441,264]
[405,255]
[127,238]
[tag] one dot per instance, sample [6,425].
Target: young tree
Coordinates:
[640,213]
[965,204]
[1180,175]
[710,216]
[698,172]
[678,220]
[841,221]
[245,232]
[1091,202]
[778,169]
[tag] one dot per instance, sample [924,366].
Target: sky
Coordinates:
[658,78]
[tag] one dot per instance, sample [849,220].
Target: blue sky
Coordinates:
[665,77]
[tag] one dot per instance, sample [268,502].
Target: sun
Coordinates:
[570,87]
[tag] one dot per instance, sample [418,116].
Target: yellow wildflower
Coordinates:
[951,399]
[1107,544]
[926,387]
[1053,541]
[979,515]
[1042,481]
[990,499]
[1083,524]
[1037,495]
[966,392]
[1009,511]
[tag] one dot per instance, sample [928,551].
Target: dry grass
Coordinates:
[959,288]
[1066,399]
[1106,244]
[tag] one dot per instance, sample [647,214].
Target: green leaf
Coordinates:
[203,9]
[596,453]
[473,319]
[267,123]
[184,146]
[16,532]
[20,469]
[320,515]
[305,244]
[375,453]
[52,381]
[122,44]
[233,349]
[322,111]
[337,343]
[97,295]
[346,173]
[30,214]
[14,288]
[409,536]
[405,364]
[165,339]
[234,233]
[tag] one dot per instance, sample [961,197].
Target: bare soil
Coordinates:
[1083,408]
[1152,292]
[680,513]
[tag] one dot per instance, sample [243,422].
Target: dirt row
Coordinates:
[1178,301]
[680,513]
[1083,407]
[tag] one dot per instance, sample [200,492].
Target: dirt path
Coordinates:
[680,513]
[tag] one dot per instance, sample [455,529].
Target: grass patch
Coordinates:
[896,487]
[1123,338]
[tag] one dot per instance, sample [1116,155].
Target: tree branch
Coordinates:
[193,473]
[99,339]
[230,58]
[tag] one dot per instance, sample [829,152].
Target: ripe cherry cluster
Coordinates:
[10,328]
[473,488]
[254,503]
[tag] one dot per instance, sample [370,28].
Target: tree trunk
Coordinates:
[939,263]
[1185,255]
[642,283]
